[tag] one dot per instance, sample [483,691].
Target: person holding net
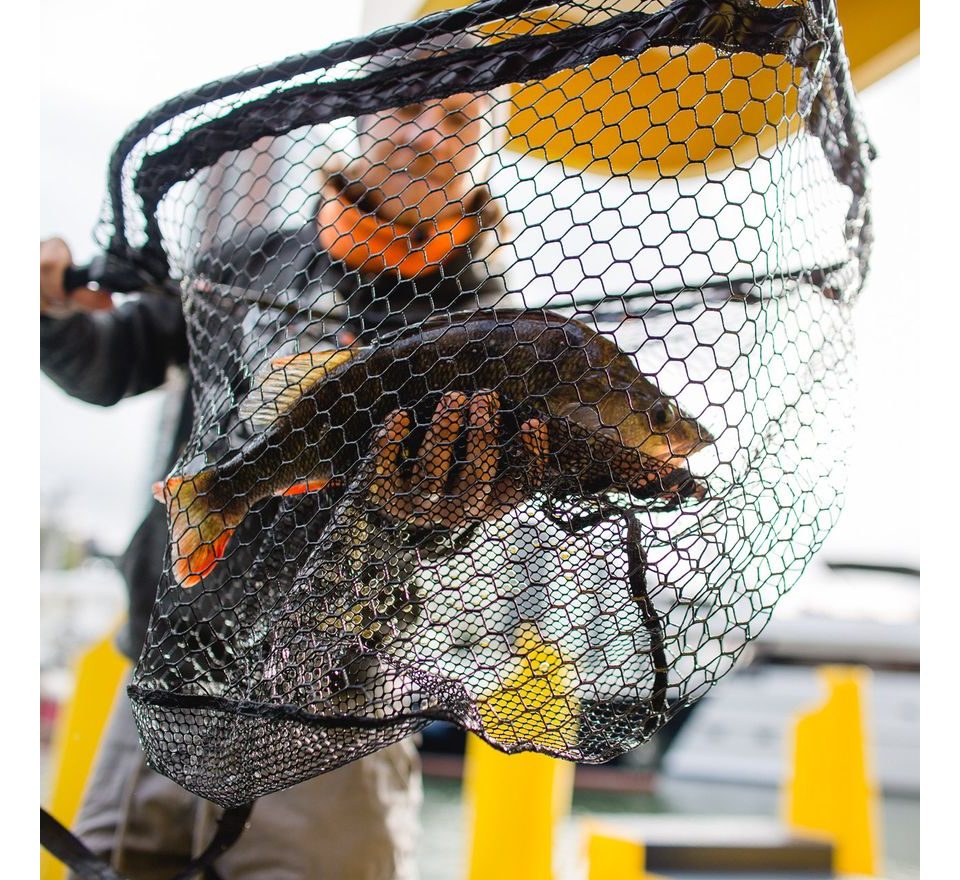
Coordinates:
[400,233]
[339,585]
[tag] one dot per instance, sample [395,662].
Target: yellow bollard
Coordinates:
[514,803]
[613,857]
[99,672]
[832,790]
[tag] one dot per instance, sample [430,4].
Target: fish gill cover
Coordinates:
[520,356]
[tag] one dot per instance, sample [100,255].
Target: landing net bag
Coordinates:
[520,359]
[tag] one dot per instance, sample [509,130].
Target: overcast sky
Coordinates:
[96,464]
[104,68]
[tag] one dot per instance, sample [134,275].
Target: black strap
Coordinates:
[69,849]
[229,829]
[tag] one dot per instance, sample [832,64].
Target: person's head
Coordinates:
[414,191]
[422,161]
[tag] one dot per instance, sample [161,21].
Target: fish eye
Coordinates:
[660,414]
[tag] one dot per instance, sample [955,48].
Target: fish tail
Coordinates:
[199,530]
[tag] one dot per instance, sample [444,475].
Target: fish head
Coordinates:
[674,435]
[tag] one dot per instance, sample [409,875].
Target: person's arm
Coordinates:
[97,352]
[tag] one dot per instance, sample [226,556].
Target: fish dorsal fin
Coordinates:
[503,316]
[278,387]
[441,320]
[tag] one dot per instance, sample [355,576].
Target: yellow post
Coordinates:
[611,856]
[832,790]
[99,672]
[514,803]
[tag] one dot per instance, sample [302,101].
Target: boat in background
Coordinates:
[838,614]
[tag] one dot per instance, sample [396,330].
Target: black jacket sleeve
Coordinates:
[102,357]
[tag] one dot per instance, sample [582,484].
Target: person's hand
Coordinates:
[436,489]
[56,301]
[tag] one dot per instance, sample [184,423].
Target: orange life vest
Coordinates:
[370,244]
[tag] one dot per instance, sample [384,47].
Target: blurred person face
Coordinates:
[420,161]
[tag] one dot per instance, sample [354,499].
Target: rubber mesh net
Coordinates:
[520,356]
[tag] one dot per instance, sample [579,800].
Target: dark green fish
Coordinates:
[608,425]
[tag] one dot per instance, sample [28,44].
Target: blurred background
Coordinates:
[858,603]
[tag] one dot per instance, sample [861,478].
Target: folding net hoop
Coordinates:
[526,427]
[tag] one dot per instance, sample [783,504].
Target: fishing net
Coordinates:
[520,358]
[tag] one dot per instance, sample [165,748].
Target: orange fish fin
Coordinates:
[220,544]
[198,534]
[199,558]
[164,489]
[306,486]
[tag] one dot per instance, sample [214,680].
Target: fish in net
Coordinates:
[520,356]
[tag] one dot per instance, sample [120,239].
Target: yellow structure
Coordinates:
[667,113]
[879,35]
[514,803]
[99,673]
[610,856]
[682,111]
[832,791]
[535,704]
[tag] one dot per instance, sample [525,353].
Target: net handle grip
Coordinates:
[108,273]
[75,277]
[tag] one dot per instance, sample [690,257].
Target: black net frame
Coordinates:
[622,579]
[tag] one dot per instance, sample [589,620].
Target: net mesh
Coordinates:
[520,357]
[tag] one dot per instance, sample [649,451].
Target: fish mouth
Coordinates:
[692,489]
[694,438]
[675,451]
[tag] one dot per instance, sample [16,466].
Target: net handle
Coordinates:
[113,274]
[727,25]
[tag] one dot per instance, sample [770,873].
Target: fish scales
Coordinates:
[607,423]
[561,368]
